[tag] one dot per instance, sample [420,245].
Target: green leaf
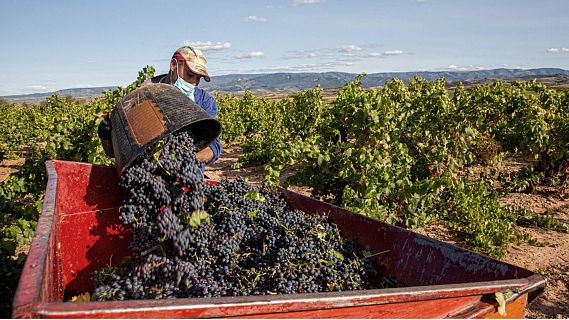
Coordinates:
[253,214]
[501,303]
[254,195]
[156,155]
[198,217]
[326,262]
[338,255]
[158,146]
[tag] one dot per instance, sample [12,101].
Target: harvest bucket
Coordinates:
[152,112]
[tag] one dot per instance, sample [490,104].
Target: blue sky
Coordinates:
[56,44]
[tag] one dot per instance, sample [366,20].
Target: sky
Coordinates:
[56,44]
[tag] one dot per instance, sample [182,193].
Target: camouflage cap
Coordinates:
[194,59]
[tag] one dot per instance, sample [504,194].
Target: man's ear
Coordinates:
[173,64]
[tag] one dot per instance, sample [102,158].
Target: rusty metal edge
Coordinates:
[483,309]
[255,305]
[536,286]
[29,287]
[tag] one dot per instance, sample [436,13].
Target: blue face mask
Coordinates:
[184,86]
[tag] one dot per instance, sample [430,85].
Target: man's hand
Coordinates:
[104,133]
[205,155]
[104,129]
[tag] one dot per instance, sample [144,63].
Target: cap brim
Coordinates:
[203,74]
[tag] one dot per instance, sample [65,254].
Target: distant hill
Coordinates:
[287,82]
[275,82]
[75,92]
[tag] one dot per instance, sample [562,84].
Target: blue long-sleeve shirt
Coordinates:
[206,102]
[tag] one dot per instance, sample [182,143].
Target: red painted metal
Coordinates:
[79,231]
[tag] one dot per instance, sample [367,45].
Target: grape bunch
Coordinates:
[227,239]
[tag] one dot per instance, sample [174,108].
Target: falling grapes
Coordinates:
[227,239]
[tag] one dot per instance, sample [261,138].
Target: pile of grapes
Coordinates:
[228,239]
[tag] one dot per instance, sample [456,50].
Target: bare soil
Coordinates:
[7,167]
[549,257]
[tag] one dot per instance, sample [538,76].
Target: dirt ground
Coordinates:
[7,167]
[549,258]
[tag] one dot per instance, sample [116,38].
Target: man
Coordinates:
[187,66]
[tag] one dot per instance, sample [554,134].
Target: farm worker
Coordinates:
[187,66]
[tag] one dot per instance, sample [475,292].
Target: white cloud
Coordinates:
[470,67]
[315,67]
[392,53]
[38,87]
[302,54]
[299,2]
[421,1]
[255,19]
[250,55]
[350,49]
[558,50]
[208,45]
[347,53]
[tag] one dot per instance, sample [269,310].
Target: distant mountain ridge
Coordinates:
[279,82]
[73,92]
[301,81]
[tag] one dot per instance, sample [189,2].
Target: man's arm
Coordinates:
[208,103]
[205,155]
[210,154]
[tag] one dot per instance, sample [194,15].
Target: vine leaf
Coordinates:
[326,262]
[338,254]
[254,195]
[501,298]
[199,217]
[501,303]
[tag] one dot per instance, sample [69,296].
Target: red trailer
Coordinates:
[79,231]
